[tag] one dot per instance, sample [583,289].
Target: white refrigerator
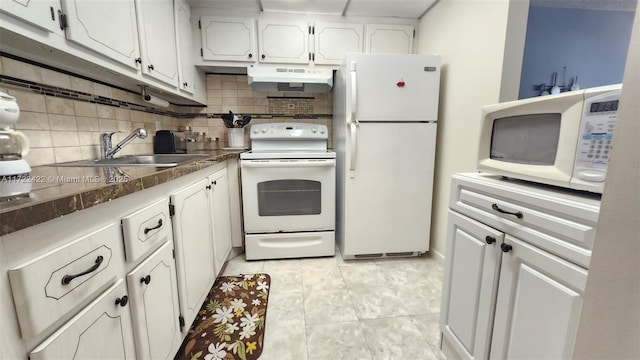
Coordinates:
[384,126]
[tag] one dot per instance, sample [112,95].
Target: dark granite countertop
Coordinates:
[57,191]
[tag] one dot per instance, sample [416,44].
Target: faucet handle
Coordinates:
[110,133]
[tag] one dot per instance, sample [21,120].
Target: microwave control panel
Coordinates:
[596,135]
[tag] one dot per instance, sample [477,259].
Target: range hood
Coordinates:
[267,78]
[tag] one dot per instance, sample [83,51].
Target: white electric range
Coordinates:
[288,192]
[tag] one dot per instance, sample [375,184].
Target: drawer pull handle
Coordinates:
[489,239]
[145,280]
[122,301]
[517,214]
[67,278]
[506,247]
[146,230]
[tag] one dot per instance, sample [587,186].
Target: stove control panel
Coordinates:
[291,131]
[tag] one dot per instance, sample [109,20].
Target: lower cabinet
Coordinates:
[221,218]
[538,304]
[507,293]
[153,293]
[126,282]
[194,247]
[472,267]
[102,330]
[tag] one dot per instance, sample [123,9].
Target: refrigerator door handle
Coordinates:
[353,129]
[353,120]
[354,92]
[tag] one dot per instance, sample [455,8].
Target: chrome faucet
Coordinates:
[108,151]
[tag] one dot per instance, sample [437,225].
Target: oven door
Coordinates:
[288,195]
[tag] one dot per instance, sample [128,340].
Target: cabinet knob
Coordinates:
[208,187]
[250,56]
[139,61]
[263,56]
[150,67]
[214,182]
[145,280]
[185,84]
[122,301]
[489,240]
[506,247]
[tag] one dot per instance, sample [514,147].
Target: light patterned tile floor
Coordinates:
[334,309]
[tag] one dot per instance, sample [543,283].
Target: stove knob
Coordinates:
[264,130]
[255,130]
[314,130]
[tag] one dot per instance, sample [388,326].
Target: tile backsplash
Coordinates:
[63,115]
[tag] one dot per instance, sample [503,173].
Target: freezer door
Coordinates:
[387,198]
[395,87]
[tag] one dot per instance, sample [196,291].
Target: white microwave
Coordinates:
[563,140]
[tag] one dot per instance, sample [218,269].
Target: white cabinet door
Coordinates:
[187,68]
[471,275]
[221,217]
[386,38]
[228,38]
[538,305]
[283,41]
[102,330]
[107,27]
[193,245]
[154,305]
[158,40]
[334,40]
[42,13]
[235,202]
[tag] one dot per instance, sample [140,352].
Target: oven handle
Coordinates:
[287,164]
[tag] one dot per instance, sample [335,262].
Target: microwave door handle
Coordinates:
[353,120]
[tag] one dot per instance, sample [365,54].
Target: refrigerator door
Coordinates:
[394,87]
[387,199]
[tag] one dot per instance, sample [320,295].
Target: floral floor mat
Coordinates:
[230,324]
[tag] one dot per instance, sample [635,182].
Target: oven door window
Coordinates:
[289,197]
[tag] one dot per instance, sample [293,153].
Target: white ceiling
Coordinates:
[412,9]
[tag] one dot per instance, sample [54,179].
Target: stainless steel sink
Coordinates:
[157,160]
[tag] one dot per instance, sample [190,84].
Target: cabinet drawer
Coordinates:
[49,286]
[146,229]
[560,222]
[102,330]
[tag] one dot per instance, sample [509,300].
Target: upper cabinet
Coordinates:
[334,40]
[107,27]
[388,38]
[187,70]
[228,39]
[284,41]
[303,40]
[142,42]
[158,40]
[43,14]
